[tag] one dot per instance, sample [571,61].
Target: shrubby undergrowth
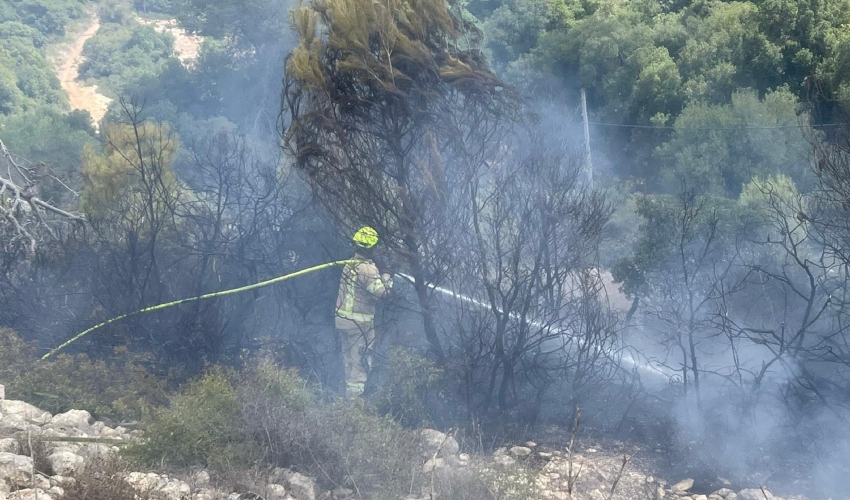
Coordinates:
[271,417]
[117,390]
[268,414]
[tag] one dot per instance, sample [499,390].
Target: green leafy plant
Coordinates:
[200,426]
[78,381]
[410,380]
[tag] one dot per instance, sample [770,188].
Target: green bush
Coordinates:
[117,390]
[410,379]
[200,426]
[50,17]
[31,72]
[120,56]
[340,443]
[267,414]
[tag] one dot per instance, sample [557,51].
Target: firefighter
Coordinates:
[360,287]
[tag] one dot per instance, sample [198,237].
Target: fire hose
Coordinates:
[628,358]
[222,293]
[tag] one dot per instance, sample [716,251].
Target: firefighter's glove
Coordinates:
[387,278]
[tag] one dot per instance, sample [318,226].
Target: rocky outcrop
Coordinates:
[74,439]
[592,474]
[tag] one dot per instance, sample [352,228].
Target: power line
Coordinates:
[669,127]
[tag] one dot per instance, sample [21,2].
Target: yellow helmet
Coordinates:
[365,237]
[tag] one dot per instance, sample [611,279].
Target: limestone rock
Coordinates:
[434,440]
[520,451]
[175,490]
[301,486]
[16,469]
[432,464]
[275,492]
[700,497]
[723,492]
[80,419]
[683,485]
[202,479]
[23,412]
[503,460]
[65,463]
[143,482]
[755,494]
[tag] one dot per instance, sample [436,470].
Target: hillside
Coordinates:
[625,216]
[74,456]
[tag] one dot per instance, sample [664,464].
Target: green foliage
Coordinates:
[248,24]
[44,134]
[514,28]
[644,62]
[50,17]
[672,227]
[775,200]
[200,426]
[11,97]
[340,443]
[120,56]
[266,413]
[16,29]
[115,12]
[119,179]
[713,150]
[25,65]
[622,231]
[726,50]
[410,380]
[159,6]
[77,382]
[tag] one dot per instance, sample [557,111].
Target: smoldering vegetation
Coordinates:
[693,302]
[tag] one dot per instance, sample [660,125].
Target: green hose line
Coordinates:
[201,297]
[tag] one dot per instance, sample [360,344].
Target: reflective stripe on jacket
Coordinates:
[359,289]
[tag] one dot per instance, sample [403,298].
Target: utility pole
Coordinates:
[586,139]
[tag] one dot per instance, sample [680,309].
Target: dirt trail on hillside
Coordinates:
[186,45]
[69,59]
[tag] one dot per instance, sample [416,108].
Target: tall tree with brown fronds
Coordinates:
[388,108]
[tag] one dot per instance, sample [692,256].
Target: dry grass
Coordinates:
[38,450]
[104,478]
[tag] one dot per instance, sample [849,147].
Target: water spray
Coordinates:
[628,358]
